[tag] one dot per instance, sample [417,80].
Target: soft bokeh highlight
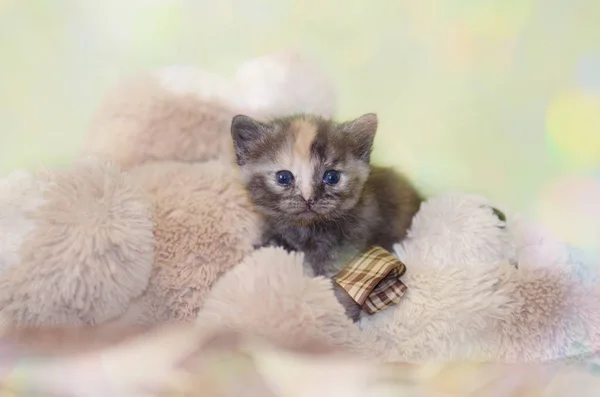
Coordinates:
[500,97]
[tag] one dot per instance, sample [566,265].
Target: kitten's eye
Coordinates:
[331,177]
[285,178]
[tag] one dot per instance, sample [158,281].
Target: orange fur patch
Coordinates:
[298,158]
[304,134]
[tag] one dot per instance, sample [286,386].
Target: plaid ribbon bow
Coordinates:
[372,279]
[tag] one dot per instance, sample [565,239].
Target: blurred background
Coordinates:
[499,97]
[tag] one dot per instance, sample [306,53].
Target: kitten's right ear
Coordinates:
[361,134]
[245,132]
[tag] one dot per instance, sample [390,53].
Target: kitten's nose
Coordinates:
[309,201]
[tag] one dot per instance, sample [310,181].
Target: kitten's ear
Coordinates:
[246,132]
[361,134]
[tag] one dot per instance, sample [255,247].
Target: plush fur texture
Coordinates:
[89,252]
[177,225]
[181,113]
[142,247]
[195,207]
[19,194]
[328,222]
[465,299]
[91,243]
[461,229]
[550,307]
[141,121]
[282,303]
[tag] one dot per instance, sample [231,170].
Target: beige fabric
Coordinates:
[146,245]
[140,121]
[137,247]
[472,313]
[20,192]
[269,295]
[86,250]
[90,253]
[205,224]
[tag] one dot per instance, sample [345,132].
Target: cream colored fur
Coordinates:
[166,232]
[465,299]
[19,193]
[281,303]
[205,225]
[89,253]
[140,229]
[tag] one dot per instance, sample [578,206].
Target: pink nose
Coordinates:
[310,201]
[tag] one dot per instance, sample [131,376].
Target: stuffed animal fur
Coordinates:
[92,243]
[471,295]
[153,225]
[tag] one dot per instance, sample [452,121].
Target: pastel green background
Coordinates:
[500,97]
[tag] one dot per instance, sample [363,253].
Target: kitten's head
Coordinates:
[304,168]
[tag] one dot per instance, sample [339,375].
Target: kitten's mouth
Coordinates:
[307,213]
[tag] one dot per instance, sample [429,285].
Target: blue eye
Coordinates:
[331,177]
[285,178]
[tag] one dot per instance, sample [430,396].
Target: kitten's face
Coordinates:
[304,168]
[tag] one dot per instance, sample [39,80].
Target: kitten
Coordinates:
[311,179]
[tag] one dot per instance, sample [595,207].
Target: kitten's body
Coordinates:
[380,217]
[333,203]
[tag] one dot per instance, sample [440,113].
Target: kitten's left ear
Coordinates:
[361,133]
[246,132]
